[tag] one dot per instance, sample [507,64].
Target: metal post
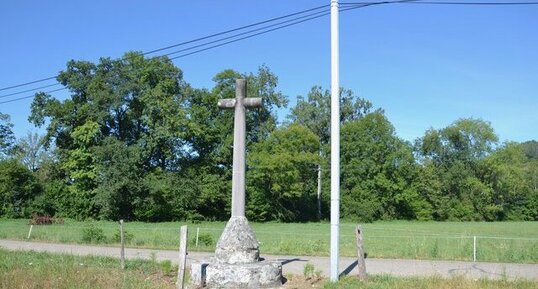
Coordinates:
[335,142]
[474,248]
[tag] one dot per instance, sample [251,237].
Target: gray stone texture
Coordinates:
[263,274]
[237,244]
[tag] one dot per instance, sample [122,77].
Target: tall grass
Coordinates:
[496,242]
[42,270]
[31,270]
[387,282]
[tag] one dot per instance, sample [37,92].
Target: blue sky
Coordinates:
[425,65]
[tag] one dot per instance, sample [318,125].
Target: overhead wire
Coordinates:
[266,29]
[27,83]
[344,6]
[28,90]
[445,3]
[236,29]
[190,41]
[30,96]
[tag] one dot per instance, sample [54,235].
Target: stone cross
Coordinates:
[239,104]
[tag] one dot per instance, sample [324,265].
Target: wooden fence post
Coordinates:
[182,257]
[122,250]
[361,265]
[30,232]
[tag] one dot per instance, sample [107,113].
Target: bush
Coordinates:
[92,234]
[45,220]
[18,187]
[204,239]
[128,237]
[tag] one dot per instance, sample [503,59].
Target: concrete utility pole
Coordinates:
[335,142]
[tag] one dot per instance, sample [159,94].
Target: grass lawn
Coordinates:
[496,241]
[43,270]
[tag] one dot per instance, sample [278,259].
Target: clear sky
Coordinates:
[425,65]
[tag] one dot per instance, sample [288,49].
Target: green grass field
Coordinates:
[42,270]
[496,242]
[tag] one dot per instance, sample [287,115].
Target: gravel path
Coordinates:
[295,264]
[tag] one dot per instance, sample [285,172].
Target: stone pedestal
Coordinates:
[236,263]
[211,274]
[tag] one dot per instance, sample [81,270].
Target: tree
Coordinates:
[530,148]
[511,177]
[453,157]
[378,172]
[282,176]
[30,151]
[135,100]
[18,187]
[314,112]
[466,140]
[7,139]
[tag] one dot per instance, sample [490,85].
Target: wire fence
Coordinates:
[280,240]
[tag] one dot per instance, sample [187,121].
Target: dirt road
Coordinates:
[295,264]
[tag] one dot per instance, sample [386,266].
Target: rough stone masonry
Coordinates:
[237,257]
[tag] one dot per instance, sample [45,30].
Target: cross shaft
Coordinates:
[239,104]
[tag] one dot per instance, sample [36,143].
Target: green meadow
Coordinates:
[496,241]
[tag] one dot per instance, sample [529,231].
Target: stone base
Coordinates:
[263,274]
[237,244]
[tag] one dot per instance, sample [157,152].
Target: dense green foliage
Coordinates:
[6,135]
[135,141]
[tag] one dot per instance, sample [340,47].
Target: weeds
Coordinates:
[308,271]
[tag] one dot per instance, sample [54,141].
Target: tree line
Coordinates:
[135,141]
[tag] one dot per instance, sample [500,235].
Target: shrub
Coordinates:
[128,237]
[41,220]
[92,234]
[45,220]
[205,239]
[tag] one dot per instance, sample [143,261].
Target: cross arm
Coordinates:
[226,103]
[252,102]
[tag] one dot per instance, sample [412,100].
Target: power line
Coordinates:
[249,36]
[236,29]
[28,90]
[265,29]
[308,17]
[269,28]
[190,41]
[445,3]
[30,96]
[357,5]
[27,83]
